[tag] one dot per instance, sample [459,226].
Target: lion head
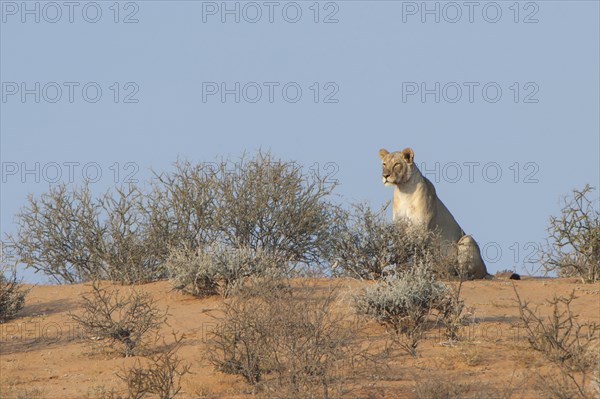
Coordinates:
[397,167]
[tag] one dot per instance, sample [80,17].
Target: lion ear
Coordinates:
[383,152]
[408,154]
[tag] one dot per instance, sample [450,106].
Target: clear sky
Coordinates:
[499,100]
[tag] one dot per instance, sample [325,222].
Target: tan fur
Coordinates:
[415,199]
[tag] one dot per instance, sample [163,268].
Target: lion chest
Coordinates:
[409,205]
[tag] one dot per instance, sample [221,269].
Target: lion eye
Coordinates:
[384,164]
[396,164]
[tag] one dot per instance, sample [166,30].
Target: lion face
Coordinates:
[397,167]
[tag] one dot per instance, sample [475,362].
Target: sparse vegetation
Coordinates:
[123,247]
[262,203]
[101,392]
[405,303]
[12,295]
[126,235]
[442,389]
[452,312]
[72,237]
[12,392]
[180,207]
[57,233]
[280,318]
[573,248]
[288,341]
[573,347]
[239,229]
[158,374]
[124,320]
[218,269]
[364,245]
[471,355]
[273,205]
[193,272]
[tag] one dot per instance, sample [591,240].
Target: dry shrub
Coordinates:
[266,203]
[363,245]
[125,320]
[101,392]
[8,390]
[181,206]
[405,303]
[73,237]
[218,269]
[436,388]
[159,374]
[286,341]
[123,247]
[451,311]
[573,248]
[262,203]
[193,272]
[443,387]
[471,355]
[12,295]
[126,234]
[568,344]
[57,233]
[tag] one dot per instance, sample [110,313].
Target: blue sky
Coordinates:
[499,100]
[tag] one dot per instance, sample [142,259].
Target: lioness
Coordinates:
[415,199]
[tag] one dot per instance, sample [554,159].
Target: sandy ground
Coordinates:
[42,355]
